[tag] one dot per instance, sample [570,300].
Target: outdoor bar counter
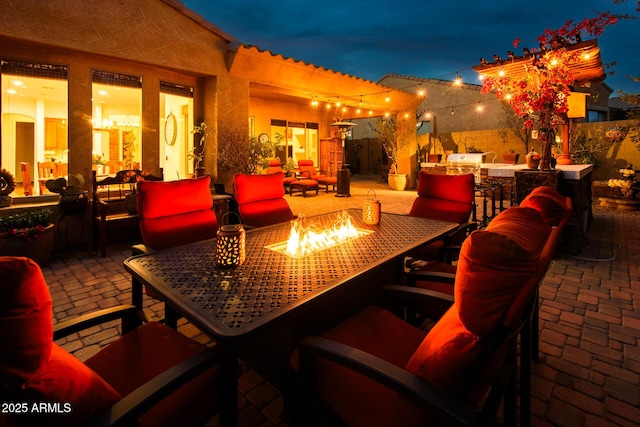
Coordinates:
[571,180]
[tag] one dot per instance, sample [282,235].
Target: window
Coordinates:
[34,119]
[296,140]
[117,127]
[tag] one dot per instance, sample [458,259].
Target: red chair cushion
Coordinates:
[308,170]
[32,367]
[26,325]
[308,183]
[255,188]
[494,266]
[444,197]
[65,379]
[442,210]
[167,232]
[175,213]
[553,206]
[378,332]
[445,354]
[494,272]
[266,212]
[142,354]
[165,198]
[458,188]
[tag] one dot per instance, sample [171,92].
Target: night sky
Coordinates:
[428,39]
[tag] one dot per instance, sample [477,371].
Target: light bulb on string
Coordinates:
[338,103]
[387,99]
[458,80]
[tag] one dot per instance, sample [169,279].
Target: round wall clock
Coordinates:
[170,129]
[263,138]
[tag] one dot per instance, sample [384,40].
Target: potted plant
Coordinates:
[73,200]
[393,136]
[27,233]
[7,185]
[197,151]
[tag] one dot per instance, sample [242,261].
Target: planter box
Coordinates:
[38,250]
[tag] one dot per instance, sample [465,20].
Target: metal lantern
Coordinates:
[230,245]
[371,210]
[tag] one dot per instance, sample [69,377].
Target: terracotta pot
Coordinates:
[511,158]
[532,163]
[398,181]
[435,158]
[564,159]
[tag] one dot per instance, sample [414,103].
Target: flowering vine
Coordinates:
[543,90]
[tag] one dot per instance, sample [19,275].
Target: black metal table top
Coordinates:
[228,303]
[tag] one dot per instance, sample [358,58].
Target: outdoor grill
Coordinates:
[462,163]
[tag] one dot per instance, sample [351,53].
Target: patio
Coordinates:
[589,363]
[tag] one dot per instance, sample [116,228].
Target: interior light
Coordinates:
[11,91]
[17,83]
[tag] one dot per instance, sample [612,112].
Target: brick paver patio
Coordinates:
[589,368]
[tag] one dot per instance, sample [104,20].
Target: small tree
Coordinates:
[238,153]
[394,135]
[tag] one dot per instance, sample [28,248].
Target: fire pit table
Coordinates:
[264,306]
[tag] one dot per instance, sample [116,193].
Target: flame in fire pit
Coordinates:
[305,239]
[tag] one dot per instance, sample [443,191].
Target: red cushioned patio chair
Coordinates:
[275,166]
[261,199]
[378,369]
[446,198]
[125,383]
[173,213]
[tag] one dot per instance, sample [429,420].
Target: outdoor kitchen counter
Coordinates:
[571,172]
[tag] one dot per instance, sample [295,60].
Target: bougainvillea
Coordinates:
[541,93]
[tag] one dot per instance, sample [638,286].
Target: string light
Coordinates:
[387,99]
[458,80]
[421,92]
[338,103]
